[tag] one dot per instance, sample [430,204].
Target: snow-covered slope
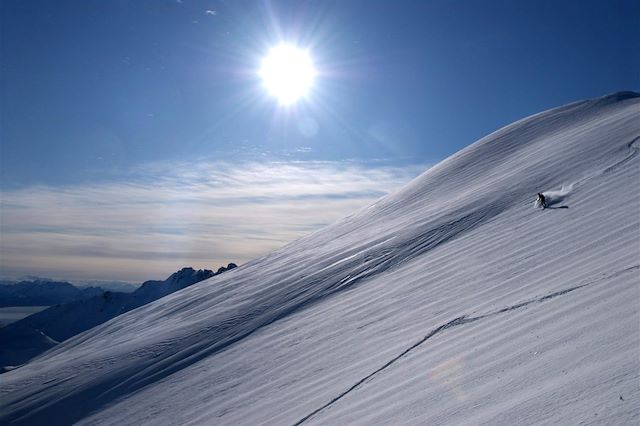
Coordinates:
[452,301]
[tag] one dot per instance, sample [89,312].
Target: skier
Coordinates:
[541,200]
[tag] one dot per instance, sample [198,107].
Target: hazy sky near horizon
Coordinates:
[136,137]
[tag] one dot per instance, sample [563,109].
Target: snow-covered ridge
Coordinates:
[450,301]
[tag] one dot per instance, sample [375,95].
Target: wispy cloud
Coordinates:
[160,217]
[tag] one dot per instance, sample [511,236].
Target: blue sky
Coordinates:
[107,103]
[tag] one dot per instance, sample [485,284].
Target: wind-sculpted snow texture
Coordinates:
[451,301]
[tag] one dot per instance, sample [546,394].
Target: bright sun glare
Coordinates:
[287,73]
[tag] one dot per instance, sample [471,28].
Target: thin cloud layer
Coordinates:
[161,217]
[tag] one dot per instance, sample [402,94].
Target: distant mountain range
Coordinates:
[84,309]
[38,291]
[120,286]
[43,293]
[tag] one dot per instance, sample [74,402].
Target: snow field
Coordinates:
[451,301]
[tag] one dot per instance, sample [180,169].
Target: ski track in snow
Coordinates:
[633,148]
[462,320]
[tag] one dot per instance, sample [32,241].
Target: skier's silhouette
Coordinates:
[542,201]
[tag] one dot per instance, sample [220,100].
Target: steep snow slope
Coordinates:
[451,301]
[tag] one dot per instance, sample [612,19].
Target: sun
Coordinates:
[287,73]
